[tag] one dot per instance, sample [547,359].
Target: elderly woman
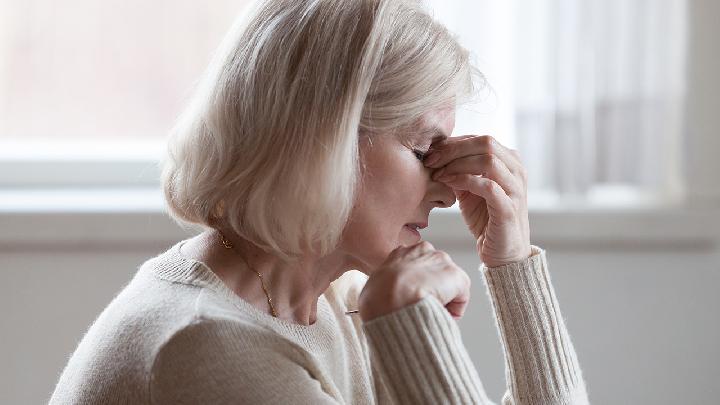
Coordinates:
[316,146]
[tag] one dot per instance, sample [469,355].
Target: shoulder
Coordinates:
[204,337]
[218,360]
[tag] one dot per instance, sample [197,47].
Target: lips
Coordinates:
[417,225]
[412,230]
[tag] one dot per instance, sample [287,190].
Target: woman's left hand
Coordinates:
[490,184]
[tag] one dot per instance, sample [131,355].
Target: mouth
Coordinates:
[415,227]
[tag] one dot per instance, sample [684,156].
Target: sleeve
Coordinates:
[419,354]
[210,362]
[541,366]
[419,351]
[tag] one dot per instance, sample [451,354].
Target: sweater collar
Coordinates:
[172,266]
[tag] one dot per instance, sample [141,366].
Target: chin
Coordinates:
[375,255]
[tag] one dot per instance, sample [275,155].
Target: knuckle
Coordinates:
[488,141]
[489,186]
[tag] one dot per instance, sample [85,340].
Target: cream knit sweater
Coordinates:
[177,335]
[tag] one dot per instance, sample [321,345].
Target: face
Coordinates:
[397,190]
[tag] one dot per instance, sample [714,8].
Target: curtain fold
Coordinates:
[592,91]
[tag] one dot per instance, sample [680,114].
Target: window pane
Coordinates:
[107,71]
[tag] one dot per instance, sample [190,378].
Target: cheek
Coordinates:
[396,188]
[390,196]
[407,186]
[384,206]
[396,195]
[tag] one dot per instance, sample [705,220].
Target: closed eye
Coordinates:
[419,154]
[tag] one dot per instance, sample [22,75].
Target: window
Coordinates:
[89,89]
[590,92]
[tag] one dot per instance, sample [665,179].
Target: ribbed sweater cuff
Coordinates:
[420,354]
[541,364]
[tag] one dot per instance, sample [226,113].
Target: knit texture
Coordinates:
[176,334]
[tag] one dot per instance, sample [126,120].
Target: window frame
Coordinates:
[693,222]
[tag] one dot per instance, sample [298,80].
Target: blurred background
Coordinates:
[613,105]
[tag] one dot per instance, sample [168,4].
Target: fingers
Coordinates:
[489,166]
[457,147]
[419,270]
[459,137]
[501,205]
[452,284]
[417,250]
[424,246]
[453,290]
[457,306]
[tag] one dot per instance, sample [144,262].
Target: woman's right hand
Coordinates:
[408,275]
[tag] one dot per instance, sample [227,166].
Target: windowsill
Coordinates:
[135,217]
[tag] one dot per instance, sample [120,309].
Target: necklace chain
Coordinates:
[227,245]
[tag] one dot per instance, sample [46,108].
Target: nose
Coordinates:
[441,195]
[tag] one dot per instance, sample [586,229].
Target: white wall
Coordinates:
[642,317]
[644,325]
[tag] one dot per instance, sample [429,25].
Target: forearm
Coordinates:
[541,363]
[420,354]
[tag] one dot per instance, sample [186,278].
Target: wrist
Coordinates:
[520,258]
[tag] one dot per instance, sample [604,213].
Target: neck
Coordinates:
[293,287]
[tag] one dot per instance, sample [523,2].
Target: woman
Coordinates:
[314,148]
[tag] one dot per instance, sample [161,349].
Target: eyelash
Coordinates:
[419,154]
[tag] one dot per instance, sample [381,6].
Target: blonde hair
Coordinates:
[269,143]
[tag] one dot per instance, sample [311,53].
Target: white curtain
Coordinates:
[590,91]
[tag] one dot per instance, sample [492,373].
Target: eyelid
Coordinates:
[421,153]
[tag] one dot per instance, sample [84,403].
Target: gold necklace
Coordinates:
[227,245]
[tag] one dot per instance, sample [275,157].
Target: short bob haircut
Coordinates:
[269,143]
